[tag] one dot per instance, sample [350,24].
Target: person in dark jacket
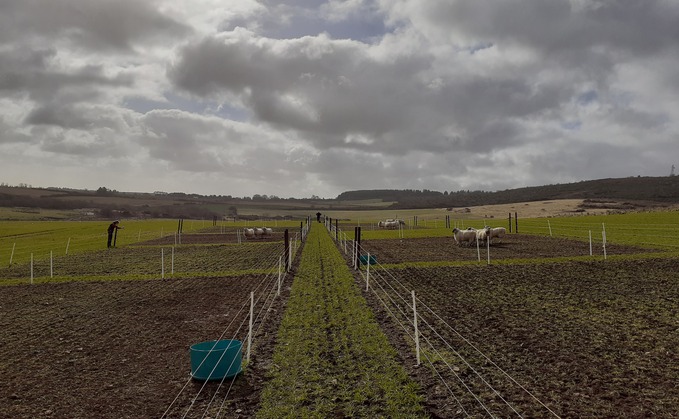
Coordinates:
[111,228]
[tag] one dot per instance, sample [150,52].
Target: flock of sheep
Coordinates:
[257,233]
[391,223]
[472,235]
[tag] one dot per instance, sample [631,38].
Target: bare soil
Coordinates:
[591,339]
[120,349]
[511,246]
[588,339]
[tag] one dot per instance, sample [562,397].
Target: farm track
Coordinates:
[332,360]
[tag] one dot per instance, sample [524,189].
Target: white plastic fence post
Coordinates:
[173,260]
[51,265]
[488,248]
[603,238]
[162,263]
[12,255]
[280,262]
[68,243]
[417,335]
[367,274]
[550,228]
[478,251]
[252,311]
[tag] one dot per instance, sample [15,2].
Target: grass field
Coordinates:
[20,239]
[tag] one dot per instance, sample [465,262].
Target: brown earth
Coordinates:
[511,246]
[120,349]
[586,339]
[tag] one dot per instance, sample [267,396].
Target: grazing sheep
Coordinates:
[249,233]
[497,232]
[464,236]
[391,223]
[483,234]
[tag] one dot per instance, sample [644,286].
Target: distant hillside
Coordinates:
[662,190]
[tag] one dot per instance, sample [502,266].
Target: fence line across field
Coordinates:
[415,337]
[268,263]
[267,296]
[380,283]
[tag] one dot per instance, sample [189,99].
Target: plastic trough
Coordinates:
[216,359]
[364,259]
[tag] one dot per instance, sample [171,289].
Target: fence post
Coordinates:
[252,311]
[510,222]
[286,249]
[516,222]
[367,273]
[358,245]
[417,335]
[279,276]
[68,243]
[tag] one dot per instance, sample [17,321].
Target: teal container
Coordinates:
[216,359]
[364,259]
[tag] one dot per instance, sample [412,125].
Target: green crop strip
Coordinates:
[332,359]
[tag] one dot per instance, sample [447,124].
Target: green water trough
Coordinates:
[216,359]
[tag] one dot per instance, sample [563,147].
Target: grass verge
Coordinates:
[332,359]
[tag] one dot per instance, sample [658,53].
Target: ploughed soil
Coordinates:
[120,349]
[594,338]
[511,246]
[589,339]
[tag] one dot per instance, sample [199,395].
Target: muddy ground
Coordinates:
[120,349]
[511,246]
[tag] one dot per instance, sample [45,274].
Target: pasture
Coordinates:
[543,330]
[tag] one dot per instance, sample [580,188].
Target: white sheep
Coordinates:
[496,232]
[483,234]
[464,236]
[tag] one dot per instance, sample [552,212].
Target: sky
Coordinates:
[305,98]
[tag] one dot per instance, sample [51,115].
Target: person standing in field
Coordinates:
[111,228]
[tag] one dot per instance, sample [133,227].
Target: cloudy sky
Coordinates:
[307,97]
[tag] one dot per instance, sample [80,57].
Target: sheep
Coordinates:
[249,232]
[468,236]
[497,232]
[483,234]
[391,223]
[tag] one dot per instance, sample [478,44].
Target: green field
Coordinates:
[21,239]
